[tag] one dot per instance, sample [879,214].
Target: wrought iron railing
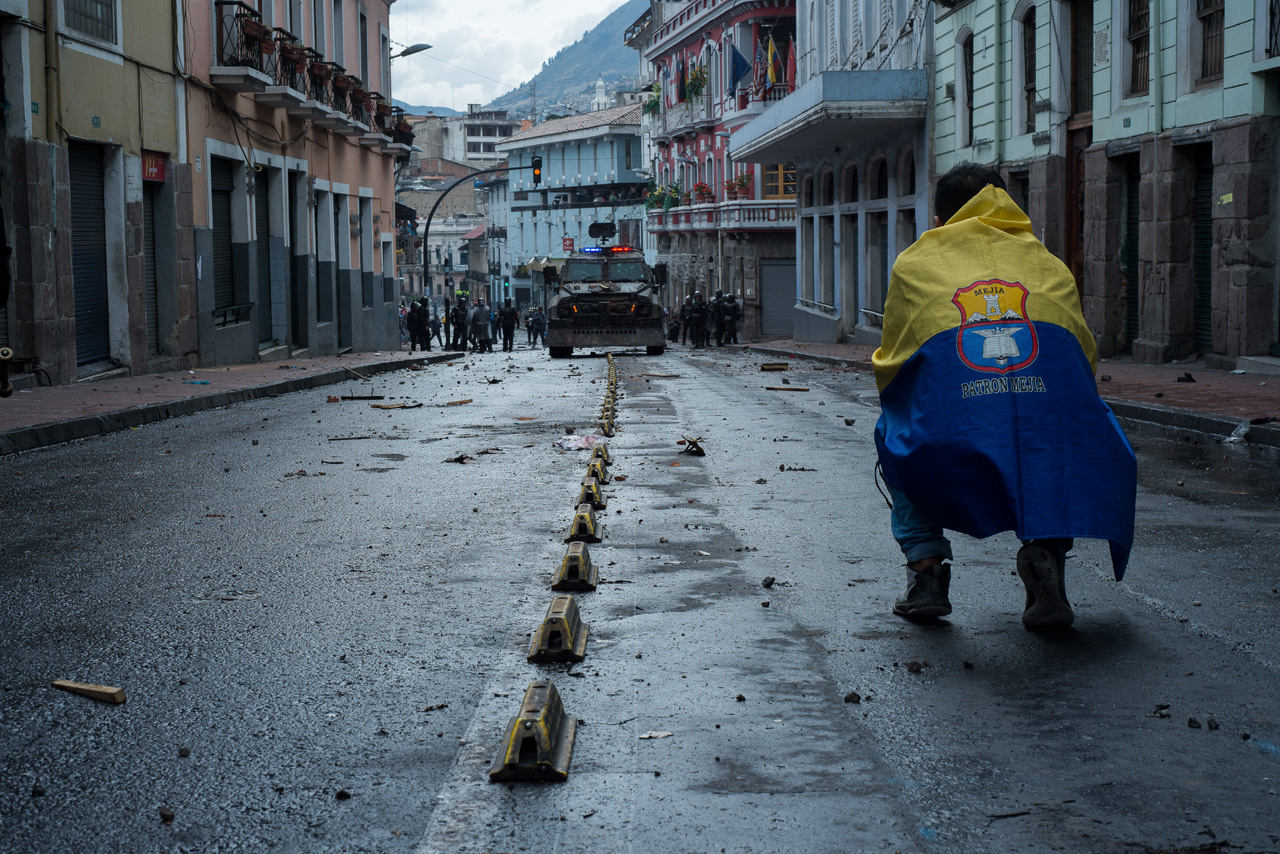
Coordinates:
[321,74]
[291,67]
[243,40]
[340,87]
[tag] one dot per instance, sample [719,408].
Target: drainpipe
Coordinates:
[1157,68]
[52,74]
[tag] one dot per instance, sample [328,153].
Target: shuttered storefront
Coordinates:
[777,298]
[1202,259]
[89,252]
[150,287]
[222,185]
[262,234]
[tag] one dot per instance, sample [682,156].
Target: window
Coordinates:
[851,184]
[827,191]
[879,186]
[317,26]
[93,18]
[1029,70]
[338,47]
[964,110]
[907,172]
[364,50]
[1139,36]
[780,181]
[1210,13]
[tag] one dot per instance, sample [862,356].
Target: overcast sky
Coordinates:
[507,40]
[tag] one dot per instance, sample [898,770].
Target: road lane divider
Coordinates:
[562,636]
[585,528]
[539,741]
[576,571]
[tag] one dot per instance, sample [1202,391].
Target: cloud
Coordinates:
[505,41]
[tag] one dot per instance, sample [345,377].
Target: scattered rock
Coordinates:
[342,795]
[1213,725]
[848,422]
[768,581]
[663,540]
[968,665]
[184,752]
[1106,378]
[914,667]
[1193,723]
[1196,603]
[743,699]
[166,815]
[764,604]
[37,791]
[853,697]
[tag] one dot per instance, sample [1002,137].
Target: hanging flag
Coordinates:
[791,66]
[666,85]
[680,79]
[738,69]
[775,72]
[757,82]
[990,416]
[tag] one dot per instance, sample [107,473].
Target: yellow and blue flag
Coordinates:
[990,417]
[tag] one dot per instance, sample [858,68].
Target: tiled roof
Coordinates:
[628,115]
[478,231]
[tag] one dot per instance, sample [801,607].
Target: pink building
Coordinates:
[721,224]
[292,142]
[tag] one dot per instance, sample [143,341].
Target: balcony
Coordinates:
[741,215]
[378,113]
[319,104]
[831,109]
[706,111]
[351,103]
[247,59]
[291,79]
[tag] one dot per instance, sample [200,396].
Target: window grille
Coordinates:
[1273,28]
[96,18]
[967,71]
[1139,37]
[1029,69]
[1210,13]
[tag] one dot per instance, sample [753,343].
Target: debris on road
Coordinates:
[105,693]
[195,382]
[395,406]
[342,795]
[576,443]
[768,581]
[741,698]
[363,397]
[848,422]
[461,458]
[793,468]
[354,373]
[437,707]
[786,388]
[348,438]
[1194,723]
[704,554]
[774,366]
[692,446]
[662,376]
[853,697]
[333,398]
[458,402]
[914,667]
[1185,378]
[166,815]
[653,735]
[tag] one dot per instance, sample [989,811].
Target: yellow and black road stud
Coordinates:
[585,528]
[597,469]
[591,494]
[576,571]
[539,741]
[606,428]
[601,452]
[562,636]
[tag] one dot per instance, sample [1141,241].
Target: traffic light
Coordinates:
[537,170]
[506,284]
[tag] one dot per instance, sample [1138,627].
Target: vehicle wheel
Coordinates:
[560,352]
[655,349]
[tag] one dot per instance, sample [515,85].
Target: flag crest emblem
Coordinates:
[994,335]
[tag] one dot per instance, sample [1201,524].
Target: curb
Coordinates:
[1166,420]
[57,432]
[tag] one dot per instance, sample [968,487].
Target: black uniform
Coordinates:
[508,317]
[732,315]
[698,316]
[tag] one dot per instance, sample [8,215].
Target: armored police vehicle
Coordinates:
[605,296]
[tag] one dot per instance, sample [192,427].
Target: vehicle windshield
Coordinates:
[599,271]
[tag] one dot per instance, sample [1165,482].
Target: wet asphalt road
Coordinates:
[287,608]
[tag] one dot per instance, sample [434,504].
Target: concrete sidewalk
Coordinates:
[39,417]
[1157,396]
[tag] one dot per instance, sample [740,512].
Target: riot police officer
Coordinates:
[732,311]
[698,316]
[717,317]
[686,319]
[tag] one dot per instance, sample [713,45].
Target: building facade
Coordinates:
[857,129]
[721,221]
[94,182]
[292,142]
[1140,138]
[591,172]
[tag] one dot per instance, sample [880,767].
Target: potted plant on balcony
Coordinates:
[696,83]
[653,106]
[731,190]
[672,197]
[292,51]
[703,191]
[384,107]
[744,184]
[254,29]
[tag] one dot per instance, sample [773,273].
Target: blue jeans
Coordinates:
[919,537]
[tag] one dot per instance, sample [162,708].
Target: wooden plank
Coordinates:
[104,693]
[786,388]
